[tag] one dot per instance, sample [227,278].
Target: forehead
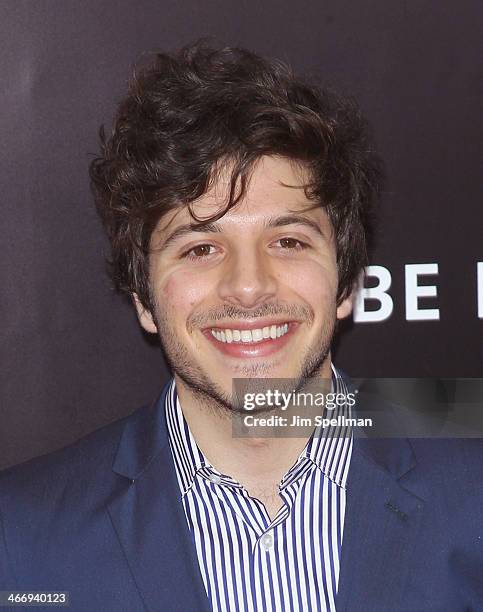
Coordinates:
[275,187]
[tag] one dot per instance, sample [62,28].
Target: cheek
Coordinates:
[181,291]
[313,281]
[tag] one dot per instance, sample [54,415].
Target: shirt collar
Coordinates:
[188,458]
[328,448]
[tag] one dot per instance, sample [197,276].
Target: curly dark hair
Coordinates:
[189,111]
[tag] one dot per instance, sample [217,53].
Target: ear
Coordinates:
[144,316]
[345,307]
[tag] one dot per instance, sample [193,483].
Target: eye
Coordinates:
[200,251]
[292,243]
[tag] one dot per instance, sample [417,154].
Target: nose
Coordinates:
[247,279]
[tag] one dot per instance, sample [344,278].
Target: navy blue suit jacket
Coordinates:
[102,519]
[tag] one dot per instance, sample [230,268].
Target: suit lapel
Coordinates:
[382,522]
[148,517]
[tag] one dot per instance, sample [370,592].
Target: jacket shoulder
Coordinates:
[461,456]
[36,479]
[449,471]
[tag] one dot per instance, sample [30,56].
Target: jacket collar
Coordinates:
[144,436]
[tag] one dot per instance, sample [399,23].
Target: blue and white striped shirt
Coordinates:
[249,562]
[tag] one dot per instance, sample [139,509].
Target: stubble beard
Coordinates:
[208,394]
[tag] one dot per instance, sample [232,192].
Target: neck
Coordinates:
[254,462]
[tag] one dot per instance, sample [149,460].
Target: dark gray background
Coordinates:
[72,355]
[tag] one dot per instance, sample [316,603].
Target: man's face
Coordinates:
[264,269]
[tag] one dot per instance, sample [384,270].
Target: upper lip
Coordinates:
[250,324]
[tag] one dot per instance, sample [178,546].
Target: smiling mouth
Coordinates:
[249,336]
[249,341]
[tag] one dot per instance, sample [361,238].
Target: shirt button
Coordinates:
[267,541]
[215,478]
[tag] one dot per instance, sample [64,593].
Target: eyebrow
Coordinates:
[215,228]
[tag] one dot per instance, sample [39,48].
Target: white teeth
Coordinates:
[257,334]
[250,335]
[282,330]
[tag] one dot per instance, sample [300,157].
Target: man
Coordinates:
[237,200]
